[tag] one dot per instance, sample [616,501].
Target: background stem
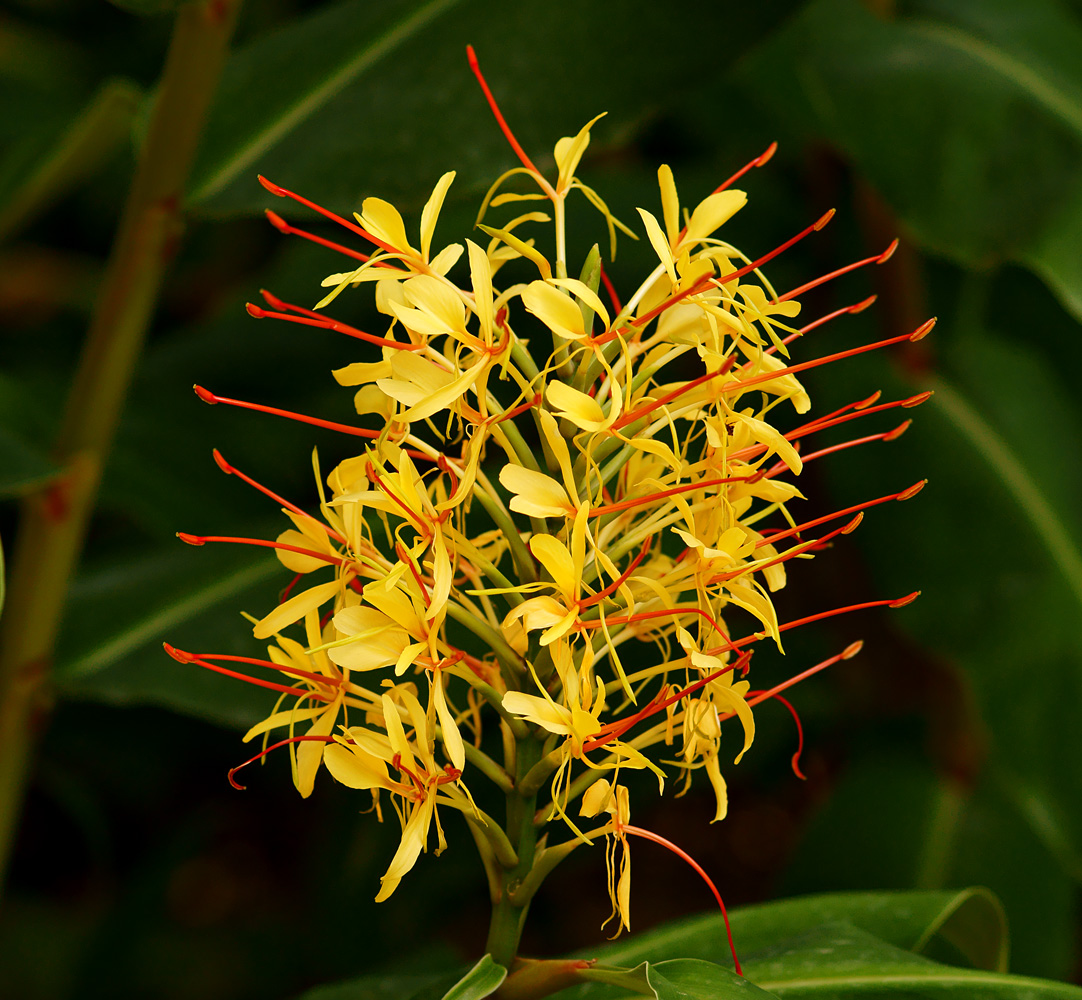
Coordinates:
[53,522]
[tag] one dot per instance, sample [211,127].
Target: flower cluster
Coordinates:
[554,541]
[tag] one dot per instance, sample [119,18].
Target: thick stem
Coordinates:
[505,928]
[54,522]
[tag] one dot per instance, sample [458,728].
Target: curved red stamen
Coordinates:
[259,756]
[846,654]
[648,835]
[471,57]
[632,415]
[621,579]
[209,397]
[613,508]
[293,583]
[400,550]
[823,320]
[799,733]
[647,615]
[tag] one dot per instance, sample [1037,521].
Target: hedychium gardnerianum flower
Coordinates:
[523,525]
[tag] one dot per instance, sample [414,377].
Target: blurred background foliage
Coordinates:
[947,754]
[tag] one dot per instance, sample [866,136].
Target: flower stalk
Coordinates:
[53,522]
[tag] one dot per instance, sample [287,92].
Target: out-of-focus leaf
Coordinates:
[3,578]
[148,8]
[118,617]
[22,467]
[994,171]
[75,154]
[378,987]
[362,99]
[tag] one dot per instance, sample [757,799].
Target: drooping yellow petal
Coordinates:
[535,494]
[557,311]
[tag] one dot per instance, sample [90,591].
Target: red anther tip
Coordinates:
[861,306]
[205,394]
[865,403]
[278,222]
[471,56]
[272,300]
[827,216]
[903,601]
[923,330]
[913,490]
[222,463]
[233,781]
[767,154]
[190,539]
[855,647]
[272,187]
[256,312]
[898,431]
[177,654]
[852,525]
[920,397]
[889,252]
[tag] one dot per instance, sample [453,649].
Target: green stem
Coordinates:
[501,517]
[54,522]
[488,635]
[505,928]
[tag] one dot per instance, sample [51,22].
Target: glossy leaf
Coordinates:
[840,961]
[694,979]
[994,173]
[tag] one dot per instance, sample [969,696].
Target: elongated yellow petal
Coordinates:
[534,493]
[431,212]
[295,609]
[553,555]
[355,768]
[659,243]
[452,738]
[557,311]
[712,213]
[670,203]
[582,410]
[384,222]
[309,754]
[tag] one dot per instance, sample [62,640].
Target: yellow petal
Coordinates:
[481,277]
[295,561]
[355,768]
[452,738]
[585,293]
[431,212]
[659,243]
[553,555]
[310,753]
[559,312]
[382,220]
[713,212]
[295,609]
[534,493]
[670,203]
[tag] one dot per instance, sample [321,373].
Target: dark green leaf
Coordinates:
[148,8]
[693,979]
[363,99]
[840,961]
[119,616]
[380,987]
[74,154]
[994,171]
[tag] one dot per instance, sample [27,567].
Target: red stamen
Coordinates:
[282,192]
[621,579]
[613,508]
[182,657]
[209,397]
[905,494]
[918,334]
[647,615]
[285,228]
[289,588]
[648,835]
[400,549]
[308,317]
[471,57]
[881,258]
[262,543]
[374,477]
[610,289]
[823,320]
[632,415]
[259,756]
[231,470]
[846,654]
[270,665]
[799,733]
